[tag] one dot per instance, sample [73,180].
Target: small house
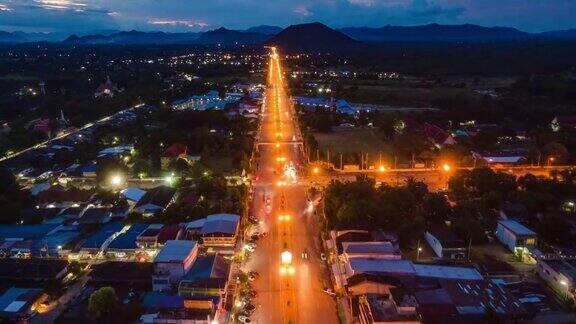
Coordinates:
[515,236]
[445,243]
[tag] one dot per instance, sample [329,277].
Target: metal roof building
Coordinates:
[221,224]
[127,239]
[175,251]
[105,233]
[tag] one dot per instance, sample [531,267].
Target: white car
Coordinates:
[244,319]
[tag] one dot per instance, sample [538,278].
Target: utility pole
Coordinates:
[469,246]
[341,165]
[367,167]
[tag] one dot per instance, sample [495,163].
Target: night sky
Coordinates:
[76,16]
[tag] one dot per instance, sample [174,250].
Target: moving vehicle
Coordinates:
[244,319]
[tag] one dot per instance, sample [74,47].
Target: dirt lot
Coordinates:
[353,141]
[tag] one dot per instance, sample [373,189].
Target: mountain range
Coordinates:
[303,37]
[435,32]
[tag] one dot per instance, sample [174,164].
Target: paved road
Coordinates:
[54,309]
[297,297]
[64,135]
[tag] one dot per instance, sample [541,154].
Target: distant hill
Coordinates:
[264,29]
[218,36]
[560,34]
[313,37]
[134,37]
[6,37]
[434,33]
[230,37]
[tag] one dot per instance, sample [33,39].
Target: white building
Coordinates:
[379,250]
[172,263]
[516,237]
[558,273]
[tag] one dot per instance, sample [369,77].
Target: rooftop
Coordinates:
[16,300]
[381,308]
[370,247]
[447,272]
[31,269]
[374,265]
[169,232]
[133,194]
[105,232]
[405,267]
[221,223]
[127,239]
[516,227]
[476,297]
[120,271]
[207,267]
[95,215]
[175,251]
[159,196]
[25,231]
[445,235]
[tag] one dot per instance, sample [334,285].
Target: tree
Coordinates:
[140,168]
[436,207]
[387,124]
[103,302]
[555,152]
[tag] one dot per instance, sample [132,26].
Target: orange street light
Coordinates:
[315,170]
[381,168]
[446,167]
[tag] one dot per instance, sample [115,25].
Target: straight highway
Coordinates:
[292,274]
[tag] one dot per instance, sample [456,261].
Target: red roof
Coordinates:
[437,134]
[191,198]
[168,232]
[58,194]
[42,125]
[566,121]
[175,150]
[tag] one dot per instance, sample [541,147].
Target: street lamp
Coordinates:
[116,180]
[315,170]
[381,168]
[446,167]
